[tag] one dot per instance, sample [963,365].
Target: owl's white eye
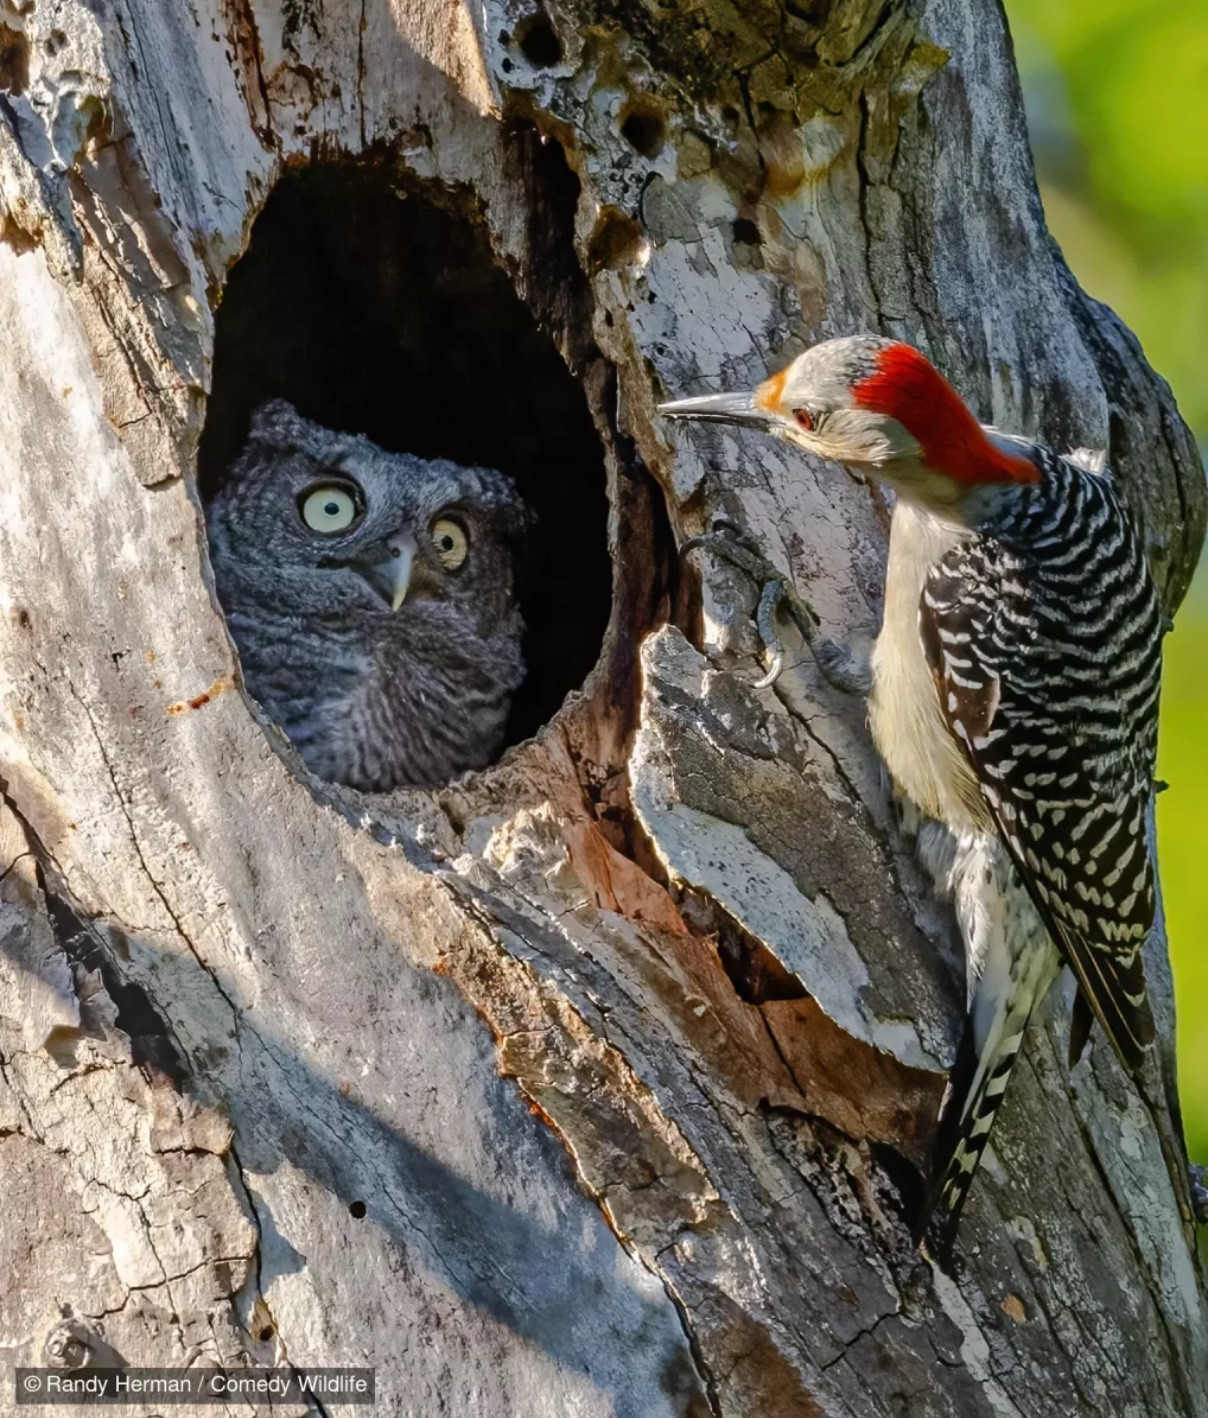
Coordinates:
[450,540]
[330,509]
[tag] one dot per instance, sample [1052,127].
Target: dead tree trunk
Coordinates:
[598,1083]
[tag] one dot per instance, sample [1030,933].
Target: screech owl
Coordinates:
[371,598]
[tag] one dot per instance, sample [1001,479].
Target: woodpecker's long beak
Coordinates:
[387,567]
[740,409]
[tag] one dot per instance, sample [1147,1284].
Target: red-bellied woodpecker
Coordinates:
[1013,697]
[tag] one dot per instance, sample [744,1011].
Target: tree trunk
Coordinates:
[600,1082]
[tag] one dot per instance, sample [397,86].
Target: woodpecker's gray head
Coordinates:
[873,404]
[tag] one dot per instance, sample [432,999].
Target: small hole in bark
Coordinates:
[268,1331]
[643,129]
[356,1209]
[539,42]
[14,60]
[374,304]
[614,242]
[746,232]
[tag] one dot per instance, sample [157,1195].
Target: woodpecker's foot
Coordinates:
[1197,1176]
[847,664]
[735,546]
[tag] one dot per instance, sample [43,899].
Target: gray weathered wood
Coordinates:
[629,1045]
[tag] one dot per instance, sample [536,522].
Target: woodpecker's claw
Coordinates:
[765,618]
[733,545]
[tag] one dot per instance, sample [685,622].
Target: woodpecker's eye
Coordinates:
[804,419]
[330,508]
[450,540]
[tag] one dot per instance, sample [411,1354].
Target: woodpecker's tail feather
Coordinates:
[1012,959]
[975,1094]
[1011,964]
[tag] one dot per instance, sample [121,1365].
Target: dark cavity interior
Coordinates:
[374,309]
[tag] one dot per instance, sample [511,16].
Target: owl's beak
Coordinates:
[402,554]
[388,568]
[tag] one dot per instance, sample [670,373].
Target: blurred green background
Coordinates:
[1117,99]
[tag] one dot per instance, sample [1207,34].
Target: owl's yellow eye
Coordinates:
[450,540]
[330,509]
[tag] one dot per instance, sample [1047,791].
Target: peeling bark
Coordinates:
[600,1082]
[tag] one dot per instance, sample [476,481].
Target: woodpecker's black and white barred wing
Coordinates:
[1043,632]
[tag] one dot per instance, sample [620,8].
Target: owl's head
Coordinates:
[329,523]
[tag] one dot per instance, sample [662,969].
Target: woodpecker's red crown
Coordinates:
[906,386]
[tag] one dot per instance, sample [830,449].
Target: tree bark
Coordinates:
[600,1082]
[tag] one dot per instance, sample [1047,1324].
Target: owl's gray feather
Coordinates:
[372,697]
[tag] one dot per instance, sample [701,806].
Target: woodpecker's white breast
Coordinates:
[923,758]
